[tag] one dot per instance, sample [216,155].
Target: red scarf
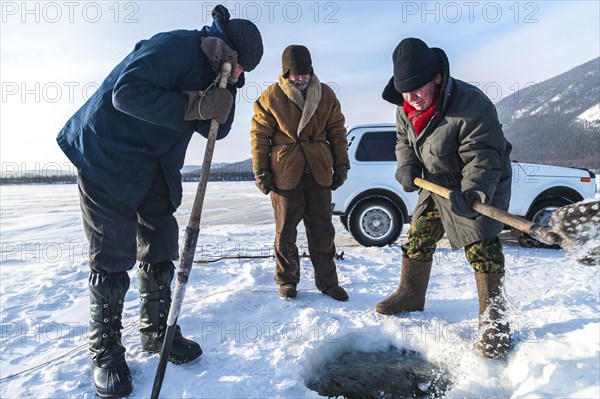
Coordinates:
[420,119]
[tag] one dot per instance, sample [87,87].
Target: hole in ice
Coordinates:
[392,373]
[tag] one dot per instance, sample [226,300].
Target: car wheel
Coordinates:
[375,222]
[540,214]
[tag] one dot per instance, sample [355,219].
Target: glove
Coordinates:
[217,52]
[264,181]
[210,104]
[406,176]
[340,174]
[462,203]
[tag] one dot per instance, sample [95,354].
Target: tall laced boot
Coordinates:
[154,280]
[410,295]
[495,331]
[110,373]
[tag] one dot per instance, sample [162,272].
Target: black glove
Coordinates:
[340,174]
[462,203]
[264,181]
[406,176]
[210,104]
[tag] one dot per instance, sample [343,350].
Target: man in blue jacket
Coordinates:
[128,142]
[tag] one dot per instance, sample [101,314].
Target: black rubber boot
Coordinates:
[110,373]
[410,295]
[154,282]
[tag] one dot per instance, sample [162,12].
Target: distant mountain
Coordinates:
[236,171]
[43,174]
[190,169]
[557,121]
[240,165]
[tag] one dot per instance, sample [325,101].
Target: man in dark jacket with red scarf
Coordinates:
[128,142]
[449,133]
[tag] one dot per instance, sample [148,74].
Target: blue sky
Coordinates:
[54,54]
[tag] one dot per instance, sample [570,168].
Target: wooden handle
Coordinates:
[538,232]
[433,188]
[189,248]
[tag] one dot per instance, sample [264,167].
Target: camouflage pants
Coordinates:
[485,256]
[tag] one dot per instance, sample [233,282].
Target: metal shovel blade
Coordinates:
[579,227]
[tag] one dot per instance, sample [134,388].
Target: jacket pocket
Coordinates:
[287,164]
[321,163]
[327,155]
[442,157]
[280,152]
[444,148]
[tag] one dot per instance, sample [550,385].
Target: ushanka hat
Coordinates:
[415,65]
[296,59]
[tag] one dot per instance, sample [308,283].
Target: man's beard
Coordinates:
[301,85]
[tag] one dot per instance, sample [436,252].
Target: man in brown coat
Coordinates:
[300,154]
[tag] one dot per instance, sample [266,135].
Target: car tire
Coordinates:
[375,221]
[540,213]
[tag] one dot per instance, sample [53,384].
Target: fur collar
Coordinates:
[308,105]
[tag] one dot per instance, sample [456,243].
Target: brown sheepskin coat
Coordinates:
[289,131]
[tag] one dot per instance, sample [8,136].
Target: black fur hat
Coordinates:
[415,65]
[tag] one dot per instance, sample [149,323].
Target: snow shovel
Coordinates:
[575,227]
[190,240]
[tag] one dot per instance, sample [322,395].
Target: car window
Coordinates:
[377,147]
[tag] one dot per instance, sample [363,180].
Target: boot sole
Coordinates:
[174,358]
[390,312]
[103,394]
[288,292]
[339,299]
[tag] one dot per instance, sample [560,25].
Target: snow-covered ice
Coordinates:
[257,345]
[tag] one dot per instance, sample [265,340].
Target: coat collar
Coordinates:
[309,104]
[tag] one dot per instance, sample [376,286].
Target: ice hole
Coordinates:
[388,373]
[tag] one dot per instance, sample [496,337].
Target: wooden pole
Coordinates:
[189,246]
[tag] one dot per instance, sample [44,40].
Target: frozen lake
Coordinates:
[258,345]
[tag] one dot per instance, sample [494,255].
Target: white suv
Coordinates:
[373,206]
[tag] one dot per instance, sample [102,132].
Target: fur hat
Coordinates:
[415,65]
[296,59]
[247,42]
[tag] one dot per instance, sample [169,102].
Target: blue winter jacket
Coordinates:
[134,123]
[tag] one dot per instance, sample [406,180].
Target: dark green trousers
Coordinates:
[485,256]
